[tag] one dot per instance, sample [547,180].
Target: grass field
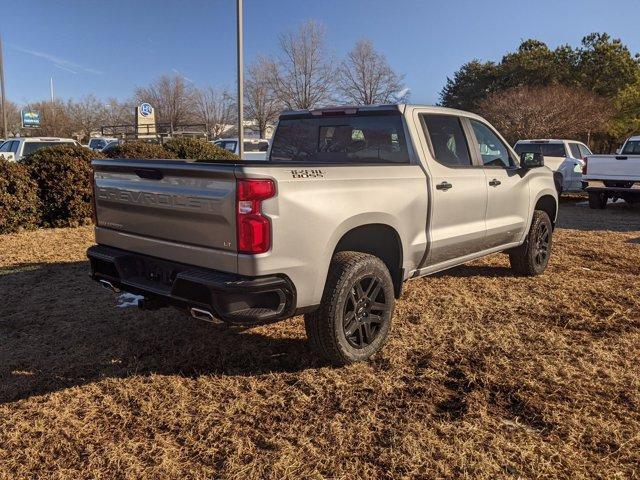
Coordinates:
[486,375]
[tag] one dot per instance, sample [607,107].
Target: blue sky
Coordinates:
[111,46]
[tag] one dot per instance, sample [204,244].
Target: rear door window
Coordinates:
[341,139]
[584,151]
[448,140]
[632,147]
[575,150]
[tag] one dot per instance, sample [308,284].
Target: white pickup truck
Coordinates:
[254,149]
[614,176]
[14,149]
[564,157]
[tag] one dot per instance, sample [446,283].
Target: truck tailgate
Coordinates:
[614,167]
[173,202]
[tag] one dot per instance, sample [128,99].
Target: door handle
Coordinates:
[495,182]
[444,186]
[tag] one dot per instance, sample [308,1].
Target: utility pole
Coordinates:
[240,80]
[4,111]
[51,83]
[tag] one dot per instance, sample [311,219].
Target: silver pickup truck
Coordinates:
[351,202]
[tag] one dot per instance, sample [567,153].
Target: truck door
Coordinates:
[458,190]
[508,190]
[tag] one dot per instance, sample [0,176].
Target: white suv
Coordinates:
[566,157]
[14,149]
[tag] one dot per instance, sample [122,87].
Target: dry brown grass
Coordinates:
[486,375]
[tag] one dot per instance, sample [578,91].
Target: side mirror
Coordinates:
[531,160]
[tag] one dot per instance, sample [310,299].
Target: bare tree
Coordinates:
[216,109]
[171,96]
[303,76]
[14,122]
[118,113]
[365,77]
[85,115]
[555,111]
[261,103]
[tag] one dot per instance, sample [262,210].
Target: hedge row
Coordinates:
[52,186]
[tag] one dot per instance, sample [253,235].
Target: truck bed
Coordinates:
[613,167]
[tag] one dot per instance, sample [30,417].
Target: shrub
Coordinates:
[139,149]
[198,149]
[18,198]
[62,174]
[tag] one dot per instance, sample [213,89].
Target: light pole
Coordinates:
[4,112]
[240,80]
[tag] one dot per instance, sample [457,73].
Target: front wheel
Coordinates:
[354,317]
[532,257]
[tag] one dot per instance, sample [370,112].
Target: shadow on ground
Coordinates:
[60,329]
[617,217]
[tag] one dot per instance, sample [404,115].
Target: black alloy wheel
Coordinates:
[364,311]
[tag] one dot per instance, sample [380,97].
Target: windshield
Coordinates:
[632,147]
[372,138]
[30,147]
[546,149]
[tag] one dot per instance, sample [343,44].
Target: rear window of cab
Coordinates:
[341,139]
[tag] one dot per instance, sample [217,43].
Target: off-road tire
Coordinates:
[597,200]
[526,259]
[325,330]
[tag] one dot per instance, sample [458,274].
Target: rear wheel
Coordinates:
[597,200]
[354,317]
[532,257]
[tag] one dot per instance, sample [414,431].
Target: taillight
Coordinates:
[584,167]
[252,227]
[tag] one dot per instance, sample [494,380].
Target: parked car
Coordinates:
[614,176]
[16,148]
[351,203]
[565,157]
[253,149]
[99,143]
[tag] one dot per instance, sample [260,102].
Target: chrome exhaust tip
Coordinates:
[201,314]
[109,286]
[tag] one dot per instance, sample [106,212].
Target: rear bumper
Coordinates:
[629,191]
[231,297]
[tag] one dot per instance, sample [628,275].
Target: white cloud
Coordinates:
[177,72]
[58,62]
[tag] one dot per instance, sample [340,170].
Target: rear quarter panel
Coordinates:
[316,205]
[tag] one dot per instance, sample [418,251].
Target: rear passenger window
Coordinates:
[448,140]
[575,150]
[584,151]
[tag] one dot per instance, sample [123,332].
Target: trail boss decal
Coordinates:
[305,173]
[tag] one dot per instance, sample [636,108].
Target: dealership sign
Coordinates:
[146,109]
[30,118]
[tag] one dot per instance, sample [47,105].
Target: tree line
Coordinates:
[591,92]
[303,74]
